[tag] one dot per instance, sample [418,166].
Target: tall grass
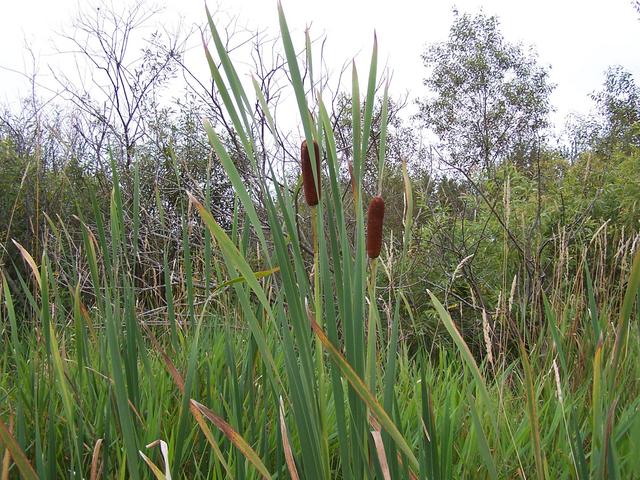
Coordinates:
[282,366]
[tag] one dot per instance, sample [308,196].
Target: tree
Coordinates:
[614,125]
[490,98]
[126,72]
[618,105]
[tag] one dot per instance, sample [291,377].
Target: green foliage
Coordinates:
[14,170]
[489,98]
[33,194]
[521,225]
[607,189]
[618,105]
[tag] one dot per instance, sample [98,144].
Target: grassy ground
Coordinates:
[99,389]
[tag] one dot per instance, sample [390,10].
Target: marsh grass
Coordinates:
[284,366]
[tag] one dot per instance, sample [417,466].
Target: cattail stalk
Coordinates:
[317,294]
[312,196]
[311,186]
[372,327]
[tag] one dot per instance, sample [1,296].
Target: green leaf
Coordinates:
[365,394]
[235,438]
[24,467]
[466,354]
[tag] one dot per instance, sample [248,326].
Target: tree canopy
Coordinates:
[489,97]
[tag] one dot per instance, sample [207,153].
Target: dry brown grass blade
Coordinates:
[209,436]
[171,368]
[382,456]
[135,411]
[412,476]
[4,475]
[29,259]
[179,381]
[154,468]
[20,459]
[235,438]
[96,464]
[364,393]
[164,450]
[288,454]
[87,318]
[377,427]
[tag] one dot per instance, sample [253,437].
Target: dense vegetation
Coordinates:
[175,303]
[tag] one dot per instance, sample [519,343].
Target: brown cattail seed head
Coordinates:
[375,219]
[311,194]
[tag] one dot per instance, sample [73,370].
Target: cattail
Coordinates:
[311,194]
[375,218]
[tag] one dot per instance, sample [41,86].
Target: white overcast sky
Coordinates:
[578,39]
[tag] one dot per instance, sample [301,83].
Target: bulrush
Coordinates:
[375,219]
[311,194]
